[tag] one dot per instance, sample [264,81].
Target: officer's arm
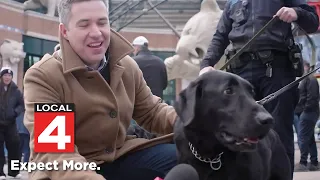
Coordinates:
[307,15]
[220,40]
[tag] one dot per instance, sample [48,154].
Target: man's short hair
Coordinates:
[64,9]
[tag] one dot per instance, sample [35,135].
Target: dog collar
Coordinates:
[215,163]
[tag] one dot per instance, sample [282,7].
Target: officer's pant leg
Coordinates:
[282,108]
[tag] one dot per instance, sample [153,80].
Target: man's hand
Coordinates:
[287,14]
[206,69]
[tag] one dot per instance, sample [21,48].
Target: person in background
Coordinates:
[153,68]
[307,112]
[24,138]
[11,106]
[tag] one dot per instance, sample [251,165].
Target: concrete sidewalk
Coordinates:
[306,175]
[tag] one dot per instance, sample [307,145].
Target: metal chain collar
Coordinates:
[215,163]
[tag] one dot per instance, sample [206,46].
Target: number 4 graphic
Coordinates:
[61,138]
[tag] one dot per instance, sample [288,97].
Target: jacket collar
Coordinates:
[102,64]
[119,47]
[144,52]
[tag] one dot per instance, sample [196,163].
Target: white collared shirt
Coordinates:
[102,64]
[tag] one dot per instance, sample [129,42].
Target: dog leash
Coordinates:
[285,88]
[272,96]
[248,44]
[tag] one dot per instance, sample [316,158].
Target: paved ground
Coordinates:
[306,175]
[297,176]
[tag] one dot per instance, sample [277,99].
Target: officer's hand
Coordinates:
[206,69]
[287,14]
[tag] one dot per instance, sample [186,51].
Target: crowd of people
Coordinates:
[93,65]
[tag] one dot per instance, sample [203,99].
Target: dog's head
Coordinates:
[219,109]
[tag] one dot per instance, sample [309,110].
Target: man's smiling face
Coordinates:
[88,31]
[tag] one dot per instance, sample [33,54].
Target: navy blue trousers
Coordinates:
[281,108]
[146,164]
[305,124]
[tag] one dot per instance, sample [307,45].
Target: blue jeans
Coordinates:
[296,126]
[24,146]
[146,164]
[305,130]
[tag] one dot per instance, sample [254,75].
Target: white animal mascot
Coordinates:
[194,42]
[51,5]
[11,53]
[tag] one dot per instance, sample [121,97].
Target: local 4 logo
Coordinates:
[54,127]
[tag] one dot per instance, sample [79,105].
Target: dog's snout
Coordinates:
[264,118]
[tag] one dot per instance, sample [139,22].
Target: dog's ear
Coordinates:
[186,106]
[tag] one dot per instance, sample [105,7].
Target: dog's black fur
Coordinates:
[215,112]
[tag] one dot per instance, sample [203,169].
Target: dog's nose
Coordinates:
[264,118]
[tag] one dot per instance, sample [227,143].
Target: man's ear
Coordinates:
[186,105]
[63,30]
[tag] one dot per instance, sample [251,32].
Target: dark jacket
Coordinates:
[309,96]
[11,104]
[154,71]
[242,19]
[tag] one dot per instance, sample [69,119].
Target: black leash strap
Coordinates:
[285,88]
[248,44]
[272,96]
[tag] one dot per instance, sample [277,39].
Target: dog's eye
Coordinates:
[228,91]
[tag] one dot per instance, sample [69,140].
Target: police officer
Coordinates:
[267,63]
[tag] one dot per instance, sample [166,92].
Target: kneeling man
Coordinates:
[92,69]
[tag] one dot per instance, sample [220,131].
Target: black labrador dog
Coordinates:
[225,134]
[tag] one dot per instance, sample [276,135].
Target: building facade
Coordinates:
[35,34]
